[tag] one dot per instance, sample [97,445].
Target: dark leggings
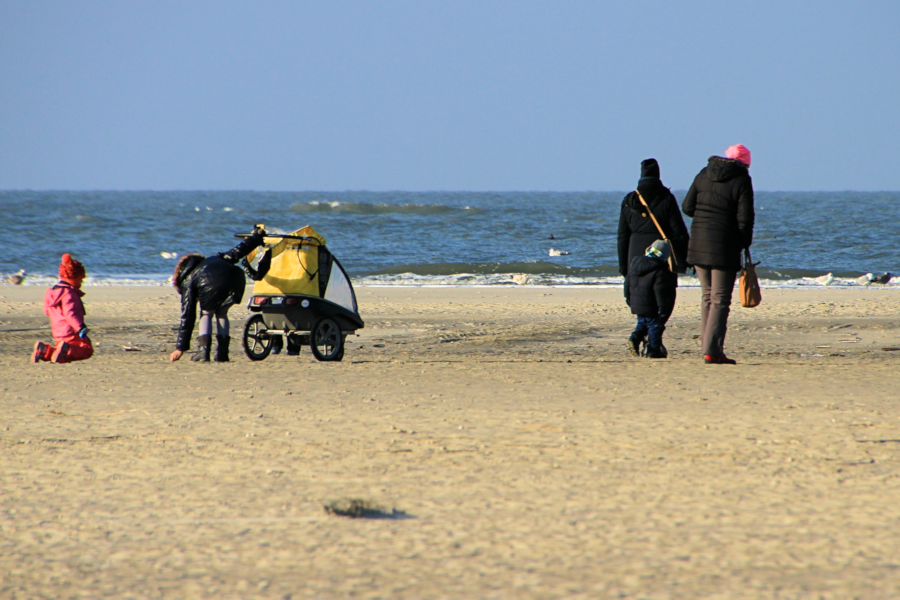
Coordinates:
[206,318]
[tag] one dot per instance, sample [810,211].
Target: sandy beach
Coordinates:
[514,448]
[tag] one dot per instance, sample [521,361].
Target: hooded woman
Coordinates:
[215,283]
[637,230]
[720,202]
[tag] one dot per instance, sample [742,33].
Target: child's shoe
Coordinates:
[713,360]
[60,353]
[634,346]
[656,353]
[40,351]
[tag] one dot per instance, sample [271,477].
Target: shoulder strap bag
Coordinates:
[749,285]
[674,266]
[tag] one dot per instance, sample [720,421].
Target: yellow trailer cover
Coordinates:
[295,264]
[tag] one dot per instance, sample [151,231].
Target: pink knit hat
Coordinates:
[739,152]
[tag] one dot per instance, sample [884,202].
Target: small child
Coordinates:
[62,303]
[650,292]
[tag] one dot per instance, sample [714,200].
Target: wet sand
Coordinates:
[515,448]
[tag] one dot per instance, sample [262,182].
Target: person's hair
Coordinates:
[180,265]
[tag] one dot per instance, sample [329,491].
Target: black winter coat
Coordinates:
[213,282]
[720,202]
[650,288]
[636,228]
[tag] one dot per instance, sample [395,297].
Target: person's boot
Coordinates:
[718,360]
[634,346]
[41,350]
[60,353]
[277,344]
[202,354]
[293,345]
[656,353]
[222,342]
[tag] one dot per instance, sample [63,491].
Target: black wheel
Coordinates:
[326,340]
[256,341]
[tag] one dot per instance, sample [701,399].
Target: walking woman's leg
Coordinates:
[721,290]
[704,276]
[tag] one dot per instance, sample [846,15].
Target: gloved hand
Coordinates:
[82,333]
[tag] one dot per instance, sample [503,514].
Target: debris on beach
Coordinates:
[357,508]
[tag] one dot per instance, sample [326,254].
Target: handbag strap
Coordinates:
[658,227]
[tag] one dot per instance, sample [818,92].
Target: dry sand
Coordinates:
[525,453]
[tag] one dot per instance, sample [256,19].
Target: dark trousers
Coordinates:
[716,287]
[652,327]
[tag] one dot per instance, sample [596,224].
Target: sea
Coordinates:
[428,238]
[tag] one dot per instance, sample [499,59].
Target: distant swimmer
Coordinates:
[17,278]
[825,279]
[558,252]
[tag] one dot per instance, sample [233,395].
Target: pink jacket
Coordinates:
[62,303]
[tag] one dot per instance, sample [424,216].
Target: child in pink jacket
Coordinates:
[62,303]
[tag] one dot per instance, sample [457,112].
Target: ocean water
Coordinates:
[428,238]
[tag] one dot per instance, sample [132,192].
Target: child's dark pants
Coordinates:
[652,327]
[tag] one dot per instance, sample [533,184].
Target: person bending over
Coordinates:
[215,283]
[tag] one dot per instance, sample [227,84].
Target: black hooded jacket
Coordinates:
[215,282]
[212,282]
[650,288]
[636,228]
[720,202]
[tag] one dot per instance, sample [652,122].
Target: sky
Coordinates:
[445,95]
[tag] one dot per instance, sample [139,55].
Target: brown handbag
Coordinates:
[749,285]
[674,266]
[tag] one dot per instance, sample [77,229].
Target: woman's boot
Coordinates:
[202,354]
[222,342]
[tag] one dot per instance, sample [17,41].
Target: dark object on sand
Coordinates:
[357,508]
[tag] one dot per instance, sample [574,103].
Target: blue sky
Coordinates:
[484,95]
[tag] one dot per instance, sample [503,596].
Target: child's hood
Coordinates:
[642,265]
[55,293]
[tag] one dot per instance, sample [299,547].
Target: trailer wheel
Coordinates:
[256,341]
[326,340]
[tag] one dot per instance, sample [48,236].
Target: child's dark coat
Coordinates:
[650,287]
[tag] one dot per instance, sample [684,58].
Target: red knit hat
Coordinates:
[739,152]
[70,268]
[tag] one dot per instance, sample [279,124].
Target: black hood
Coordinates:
[724,169]
[188,265]
[652,190]
[641,265]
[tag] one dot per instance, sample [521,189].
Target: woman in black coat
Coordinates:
[215,283]
[636,229]
[720,202]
